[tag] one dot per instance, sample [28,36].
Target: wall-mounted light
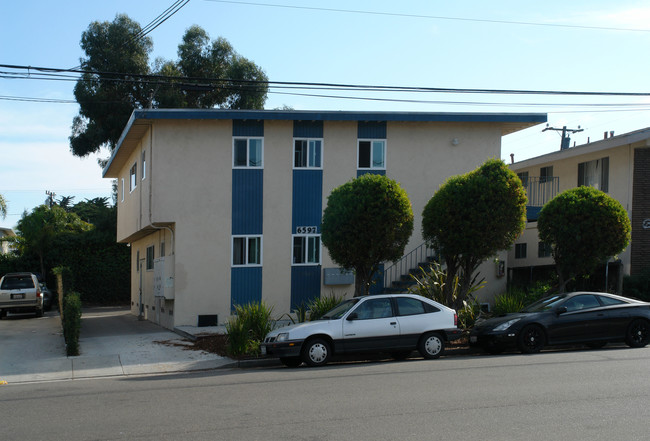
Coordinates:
[455,142]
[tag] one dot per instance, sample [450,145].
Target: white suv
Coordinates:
[396,324]
[20,292]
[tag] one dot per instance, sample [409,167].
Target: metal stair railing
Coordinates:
[410,261]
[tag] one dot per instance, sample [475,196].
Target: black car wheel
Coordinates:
[531,339]
[316,352]
[431,345]
[638,333]
[291,362]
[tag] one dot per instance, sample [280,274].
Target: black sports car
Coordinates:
[588,318]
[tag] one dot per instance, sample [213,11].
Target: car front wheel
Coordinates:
[531,339]
[638,334]
[316,352]
[431,346]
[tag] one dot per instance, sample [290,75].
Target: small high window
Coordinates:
[520,251]
[133,177]
[150,257]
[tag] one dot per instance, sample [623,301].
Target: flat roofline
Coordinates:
[523,119]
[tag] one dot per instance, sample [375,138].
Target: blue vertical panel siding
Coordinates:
[307,199]
[308,129]
[373,171]
[371,130]
[247,201]
[305,284]
[246,285]
[248,127]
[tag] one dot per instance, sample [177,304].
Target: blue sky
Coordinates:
[511,45]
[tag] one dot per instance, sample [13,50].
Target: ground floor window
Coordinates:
[150,257]
[306,250]
[246,250]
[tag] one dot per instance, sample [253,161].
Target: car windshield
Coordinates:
[544,304]
[340,310]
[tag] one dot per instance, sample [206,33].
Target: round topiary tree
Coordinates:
[367,221]
[584,226]
[472,217]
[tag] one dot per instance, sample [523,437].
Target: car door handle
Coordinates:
[393,323]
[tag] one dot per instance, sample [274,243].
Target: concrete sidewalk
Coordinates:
[112,343]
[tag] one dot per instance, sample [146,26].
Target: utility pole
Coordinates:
[566,140]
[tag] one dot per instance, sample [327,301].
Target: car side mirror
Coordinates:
[561,310]
[352,316]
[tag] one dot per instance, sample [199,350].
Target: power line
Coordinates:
[180,81]
[432,17]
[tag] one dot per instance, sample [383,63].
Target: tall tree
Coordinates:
[119,79]
[585,227]
[36,231]
[3,207]
[367,221]
[472,217]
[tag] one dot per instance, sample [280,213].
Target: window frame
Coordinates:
[247,238]
[519,247]
[308,141]
[305,250]
[133,177]
[123,184]
[150,256]
[371,141]
[144,165]
[248,140]
[602,170]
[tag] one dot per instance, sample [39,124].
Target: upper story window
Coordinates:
[594,174]
[144,165]
[133,177]
[371,154]
[307,153]
[544,249]
[247,250]
[520,251]
[306,250]
[546,174]
[248,153]
[523,176]
[122,189]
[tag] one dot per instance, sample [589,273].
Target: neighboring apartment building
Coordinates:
[223,207]
[617,165]
[5,247]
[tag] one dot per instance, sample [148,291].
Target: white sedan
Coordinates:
[394,323]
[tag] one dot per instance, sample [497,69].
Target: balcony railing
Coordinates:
[540,190]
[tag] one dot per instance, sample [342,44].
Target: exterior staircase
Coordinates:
[397,277]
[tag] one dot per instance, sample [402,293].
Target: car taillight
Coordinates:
[455,319]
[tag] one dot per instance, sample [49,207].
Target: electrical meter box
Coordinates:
[163,277]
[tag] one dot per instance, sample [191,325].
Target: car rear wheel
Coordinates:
[531,339]
[316,352]
[638,333]
[431,345]
[291,362]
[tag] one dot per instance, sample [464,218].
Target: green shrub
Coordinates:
[319,306]
[71,322]
[516,298]
[432,281]
[638,286]
[468,314]
[248,328]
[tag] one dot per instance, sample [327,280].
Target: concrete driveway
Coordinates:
[112,342]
